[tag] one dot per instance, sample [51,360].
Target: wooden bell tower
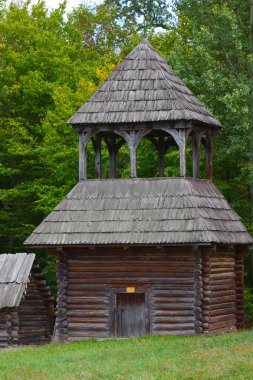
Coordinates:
[153,256]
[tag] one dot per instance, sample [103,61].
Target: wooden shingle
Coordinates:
[143,88]
[141,211]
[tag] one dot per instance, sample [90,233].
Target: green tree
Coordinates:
[47,71]
[134,13]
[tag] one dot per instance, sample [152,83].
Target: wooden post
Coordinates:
[133,157]
[82,159]
[97,147]
[113,147]
[209,156]
[182,148]
[133,138]
[161,146]
[83,141]
[196,153]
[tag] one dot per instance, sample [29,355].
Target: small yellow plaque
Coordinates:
[130,290]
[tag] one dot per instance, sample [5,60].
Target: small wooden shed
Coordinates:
[26,305]
[145,256]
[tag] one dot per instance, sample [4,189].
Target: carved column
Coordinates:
[161,144]
[182,149]
[113,148]
[84,138]
[133,138]
[97,147]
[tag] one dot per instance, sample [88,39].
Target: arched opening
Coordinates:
[202,154]
[189,156]
[202,158]
[161,152]
[147,159]
[123,162]
[172,157]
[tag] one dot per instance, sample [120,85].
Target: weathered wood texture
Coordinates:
[142,89]
[60,329]
[30,321]
[239,280]
[141,211]
[35,316]
[8,328]
[219,305]
[94,277]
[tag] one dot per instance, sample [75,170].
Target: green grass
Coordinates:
[227,356]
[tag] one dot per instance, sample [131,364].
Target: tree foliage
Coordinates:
[152,13]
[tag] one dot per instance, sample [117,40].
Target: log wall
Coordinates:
[219,305]
[90,279]
[239,280]
[34,317]
[8,328]
[32,321]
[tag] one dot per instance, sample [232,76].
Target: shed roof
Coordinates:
[141,211]
[14,276]
[143,88]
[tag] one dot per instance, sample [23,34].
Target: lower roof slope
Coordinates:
[141,211]
[14,276]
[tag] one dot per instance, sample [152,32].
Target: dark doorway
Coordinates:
[130,314]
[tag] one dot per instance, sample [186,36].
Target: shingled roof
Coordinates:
[143,88]
[141,211]
[14,276]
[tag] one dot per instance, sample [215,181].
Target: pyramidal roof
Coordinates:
[143,88]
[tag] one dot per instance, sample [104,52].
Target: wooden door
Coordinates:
[130,315]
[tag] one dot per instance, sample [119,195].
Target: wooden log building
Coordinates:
[145,256]
[26,305]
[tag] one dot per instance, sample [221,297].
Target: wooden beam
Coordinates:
[82,159]
[132,139]
[113,147]
[182,149]
[97,147]
[84,138]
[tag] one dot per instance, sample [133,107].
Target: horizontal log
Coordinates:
[88,313]
[78,335]
[219,306]
[173,320]
[219,318]
[172,326]
[88,265]
[174,332]
[218,325]
[169,313]
[99,327]
[219,300]
[92,321]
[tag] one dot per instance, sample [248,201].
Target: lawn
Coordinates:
[227,357]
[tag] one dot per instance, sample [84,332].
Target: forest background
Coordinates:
[52,62]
